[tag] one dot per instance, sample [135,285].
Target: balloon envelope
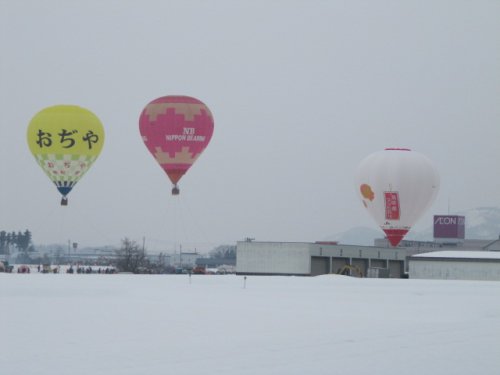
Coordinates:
[397,186]
[65,140]
[176,130]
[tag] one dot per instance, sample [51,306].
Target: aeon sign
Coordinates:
[449,227]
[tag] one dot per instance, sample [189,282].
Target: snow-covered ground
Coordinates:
[172,324]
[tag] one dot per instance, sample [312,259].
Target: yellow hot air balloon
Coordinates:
[65,140]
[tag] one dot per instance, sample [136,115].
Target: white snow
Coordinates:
[172,324]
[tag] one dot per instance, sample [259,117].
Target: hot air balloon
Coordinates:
[176,130]
[65,140]
[397,186]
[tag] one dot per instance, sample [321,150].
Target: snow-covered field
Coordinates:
[171,324]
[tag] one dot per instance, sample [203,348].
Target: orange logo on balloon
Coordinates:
[367,192]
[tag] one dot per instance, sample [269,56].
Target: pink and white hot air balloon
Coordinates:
[397,186]
[176,130]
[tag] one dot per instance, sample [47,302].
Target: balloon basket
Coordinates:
[64,201]
[175,190]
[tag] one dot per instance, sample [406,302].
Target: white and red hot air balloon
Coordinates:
[397,186]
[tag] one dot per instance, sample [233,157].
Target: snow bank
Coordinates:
[172,324]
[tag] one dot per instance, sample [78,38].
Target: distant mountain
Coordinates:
[482,223]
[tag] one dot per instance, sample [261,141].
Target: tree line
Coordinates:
[224,252]
[21,240]
[131,257]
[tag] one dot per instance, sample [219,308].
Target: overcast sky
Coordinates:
[301,92]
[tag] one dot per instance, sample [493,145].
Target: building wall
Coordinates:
[273,258]
[183,259]
[378,263]
[365,257]
[289,258]
[454,270]
[467,244]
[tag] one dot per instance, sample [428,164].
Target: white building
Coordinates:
[310,259]
[187,260]
[455,265]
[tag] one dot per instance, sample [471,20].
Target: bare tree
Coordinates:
[224,252]
[130,257]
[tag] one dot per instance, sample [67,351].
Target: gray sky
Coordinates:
[301,92]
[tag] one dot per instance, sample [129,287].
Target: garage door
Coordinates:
[396,269]
[361,264]
[338,264]
[320,265]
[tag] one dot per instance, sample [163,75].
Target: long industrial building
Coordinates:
[381,260]
[456,265]
[311,259]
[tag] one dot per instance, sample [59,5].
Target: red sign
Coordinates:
[392,211]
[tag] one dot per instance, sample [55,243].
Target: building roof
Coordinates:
[493,245]
[455,255]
